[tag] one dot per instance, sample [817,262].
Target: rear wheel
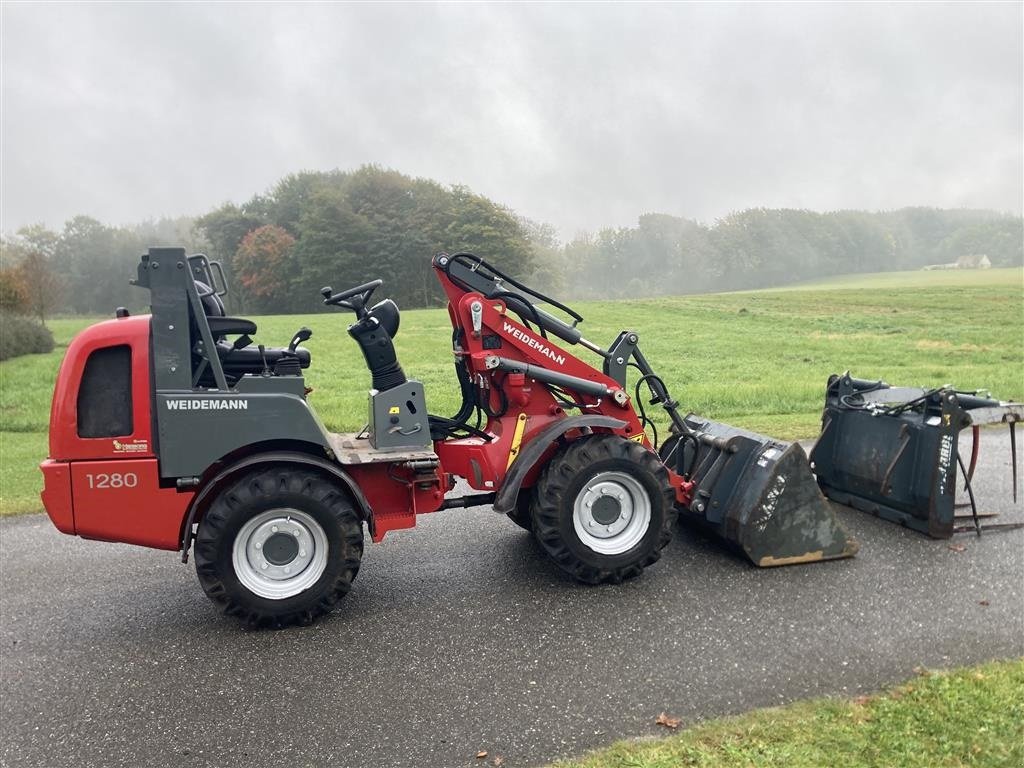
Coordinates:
[603,509]
[279,546]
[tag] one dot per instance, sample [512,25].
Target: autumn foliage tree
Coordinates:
[261,265]
[28,280]
[23,271]
[13,296]
[42,285]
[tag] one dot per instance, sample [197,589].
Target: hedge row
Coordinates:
[21,335]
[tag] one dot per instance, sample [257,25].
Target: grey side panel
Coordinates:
[505,501]
[398,417]
[202,499]
[197,429]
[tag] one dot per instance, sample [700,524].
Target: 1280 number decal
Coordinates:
[113,480]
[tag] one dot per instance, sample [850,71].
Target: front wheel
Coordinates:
[603,509]
[279,546]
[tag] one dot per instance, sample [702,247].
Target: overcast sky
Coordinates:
[582,116]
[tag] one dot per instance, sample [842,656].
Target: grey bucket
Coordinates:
[758,494]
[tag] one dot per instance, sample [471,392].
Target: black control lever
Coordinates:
[300,336]
[263,357]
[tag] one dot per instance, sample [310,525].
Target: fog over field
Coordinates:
[582,116]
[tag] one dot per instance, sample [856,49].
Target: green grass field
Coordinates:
[755,359]
[970,717]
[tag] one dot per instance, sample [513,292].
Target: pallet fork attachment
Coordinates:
[893,452]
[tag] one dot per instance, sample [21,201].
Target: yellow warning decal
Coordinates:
[393,410]
[638,438]
[517,438]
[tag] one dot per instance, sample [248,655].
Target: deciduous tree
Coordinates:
[42,285]
[13,294]
[262,266]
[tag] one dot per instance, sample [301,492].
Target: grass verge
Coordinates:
[20,478]
[968,717]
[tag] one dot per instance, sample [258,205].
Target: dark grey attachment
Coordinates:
[758,494]
[893,451]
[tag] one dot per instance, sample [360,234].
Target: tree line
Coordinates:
[667,255]
[341,228]
[84,268]
[278,249]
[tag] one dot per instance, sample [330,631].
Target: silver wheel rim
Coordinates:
[280,553]
[612,513]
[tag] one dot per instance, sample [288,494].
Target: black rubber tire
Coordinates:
[522,515]
[566,476]
[268,488]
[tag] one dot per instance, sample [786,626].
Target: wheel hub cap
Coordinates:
[280,553]
[280,549]
[606,509]
[612,513]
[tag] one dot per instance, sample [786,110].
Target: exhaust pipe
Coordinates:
[758,494]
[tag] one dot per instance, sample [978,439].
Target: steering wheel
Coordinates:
[354,298]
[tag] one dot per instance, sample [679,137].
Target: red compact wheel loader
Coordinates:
[173,430]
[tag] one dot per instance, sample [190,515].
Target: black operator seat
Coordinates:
[237,361]
[220,324]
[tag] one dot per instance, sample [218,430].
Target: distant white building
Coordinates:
[974,261]
[970,261]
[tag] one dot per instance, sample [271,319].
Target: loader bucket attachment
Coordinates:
[758,494]
[893,451]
